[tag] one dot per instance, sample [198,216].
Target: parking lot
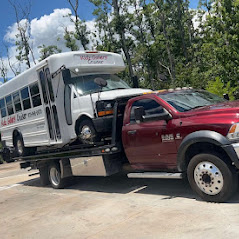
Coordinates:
[113,207]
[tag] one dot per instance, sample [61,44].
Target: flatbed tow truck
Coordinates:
[56,165]
[166,134]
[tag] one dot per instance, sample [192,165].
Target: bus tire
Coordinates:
[55,178]
[19,146]
[211,178]
[87,133]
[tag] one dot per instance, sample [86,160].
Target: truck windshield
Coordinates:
[86,85]
[190,99]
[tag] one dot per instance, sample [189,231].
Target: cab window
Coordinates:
[151,107]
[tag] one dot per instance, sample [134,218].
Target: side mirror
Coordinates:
[100,82]
[226,96]
[139,113]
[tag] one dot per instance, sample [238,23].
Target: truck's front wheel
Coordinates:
[212,178]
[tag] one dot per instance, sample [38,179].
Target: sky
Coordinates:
[40,8]
[45,7]
[47,24]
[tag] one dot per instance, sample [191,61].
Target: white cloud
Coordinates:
[47,30]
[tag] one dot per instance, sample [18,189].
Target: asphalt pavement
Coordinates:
[111,207]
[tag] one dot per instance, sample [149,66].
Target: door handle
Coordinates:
[132,132]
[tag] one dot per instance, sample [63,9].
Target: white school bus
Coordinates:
[61,99]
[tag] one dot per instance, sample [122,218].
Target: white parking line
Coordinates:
[9,186]
[14,176]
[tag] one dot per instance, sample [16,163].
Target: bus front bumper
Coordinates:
[103,124]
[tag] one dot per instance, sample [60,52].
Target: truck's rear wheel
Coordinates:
[55,176]
[44,176]
[87,133]
[212,178]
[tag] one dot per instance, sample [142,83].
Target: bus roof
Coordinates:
[81,62]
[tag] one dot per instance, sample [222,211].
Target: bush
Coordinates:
[217,87]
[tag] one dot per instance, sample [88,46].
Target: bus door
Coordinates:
[49,104]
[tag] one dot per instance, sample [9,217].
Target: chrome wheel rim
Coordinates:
[86,132]
[208,178]
[55,176]
[19,147]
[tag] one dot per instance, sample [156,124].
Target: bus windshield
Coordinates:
[86,85]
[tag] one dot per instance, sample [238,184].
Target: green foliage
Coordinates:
[70,41]
[46,51]
[219,88]
[80,33]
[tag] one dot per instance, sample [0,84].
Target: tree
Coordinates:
[23,37]
[3,70]
[81,33]
[104,24]
[46,51]
[219,88]
[217,47]
[117,33]
[70,40]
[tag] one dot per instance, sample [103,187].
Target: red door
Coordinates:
[150,145]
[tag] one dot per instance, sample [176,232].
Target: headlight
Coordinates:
[233,133]
[105,108]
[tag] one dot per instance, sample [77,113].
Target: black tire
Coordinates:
[87,133]
[44,177]
[211,178]
[55,178]
[20,149]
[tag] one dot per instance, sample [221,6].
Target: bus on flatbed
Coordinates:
[60,100]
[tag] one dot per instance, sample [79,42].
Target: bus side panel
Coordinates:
[31,124]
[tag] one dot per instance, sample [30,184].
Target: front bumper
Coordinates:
[232,151]
[236,148]
[103,124]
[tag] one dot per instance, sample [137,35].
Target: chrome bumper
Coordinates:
[236,148]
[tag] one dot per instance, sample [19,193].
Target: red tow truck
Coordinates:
[166,134]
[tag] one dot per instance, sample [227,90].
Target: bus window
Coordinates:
[25,98]
[9,105]
[48,76]
[17,101]
[3,108]
[35,94]
[43,86]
